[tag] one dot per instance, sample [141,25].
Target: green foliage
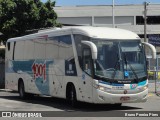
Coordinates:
[19,16]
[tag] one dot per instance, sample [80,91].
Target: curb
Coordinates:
[6,90]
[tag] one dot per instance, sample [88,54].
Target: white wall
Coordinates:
[76,20]
[125,16]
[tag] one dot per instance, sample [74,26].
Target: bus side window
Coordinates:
[9,50]
[8,46]
[13,50]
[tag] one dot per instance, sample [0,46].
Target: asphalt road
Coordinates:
[10,101]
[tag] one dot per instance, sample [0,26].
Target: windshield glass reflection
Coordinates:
[119,59]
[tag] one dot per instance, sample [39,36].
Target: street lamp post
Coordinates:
[113,24]
[145,21]
[145,40]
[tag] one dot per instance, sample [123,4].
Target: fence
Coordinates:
[154,75]
[154,72]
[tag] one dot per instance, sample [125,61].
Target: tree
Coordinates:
[19,16]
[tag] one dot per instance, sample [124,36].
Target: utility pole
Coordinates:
[145,21]
[113,14]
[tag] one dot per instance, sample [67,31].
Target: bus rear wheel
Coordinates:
[21,90]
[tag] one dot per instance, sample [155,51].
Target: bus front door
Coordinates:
[86,79]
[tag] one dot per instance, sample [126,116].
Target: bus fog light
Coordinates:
[145,96]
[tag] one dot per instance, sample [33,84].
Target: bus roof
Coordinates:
[106,32]
[95,32]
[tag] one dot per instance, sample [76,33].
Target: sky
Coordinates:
[100,2]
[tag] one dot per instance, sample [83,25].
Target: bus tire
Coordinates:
[21,90]
[72,98]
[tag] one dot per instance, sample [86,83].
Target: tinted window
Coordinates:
[150,20]
[66,39]
[8,46]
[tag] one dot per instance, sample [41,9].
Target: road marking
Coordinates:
[150,94]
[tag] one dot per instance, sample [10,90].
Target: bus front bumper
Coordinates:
[105,97]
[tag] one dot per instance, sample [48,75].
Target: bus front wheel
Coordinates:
[72,96]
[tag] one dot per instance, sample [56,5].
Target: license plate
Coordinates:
[126,98]
[117,87]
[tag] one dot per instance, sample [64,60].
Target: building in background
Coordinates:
[129,17]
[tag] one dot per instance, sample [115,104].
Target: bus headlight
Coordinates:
[102,88]
[144,87]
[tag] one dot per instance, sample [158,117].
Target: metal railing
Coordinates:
[155,76]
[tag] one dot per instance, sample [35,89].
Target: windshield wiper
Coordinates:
[116,67]
[132,69]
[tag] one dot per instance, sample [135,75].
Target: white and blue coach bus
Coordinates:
[91,64]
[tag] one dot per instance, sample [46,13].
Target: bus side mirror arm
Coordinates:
[93,48]
[153,49]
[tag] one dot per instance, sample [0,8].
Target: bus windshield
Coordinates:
[120,59]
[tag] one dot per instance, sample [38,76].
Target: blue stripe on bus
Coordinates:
[142,83]
[114,84]
[107,83]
